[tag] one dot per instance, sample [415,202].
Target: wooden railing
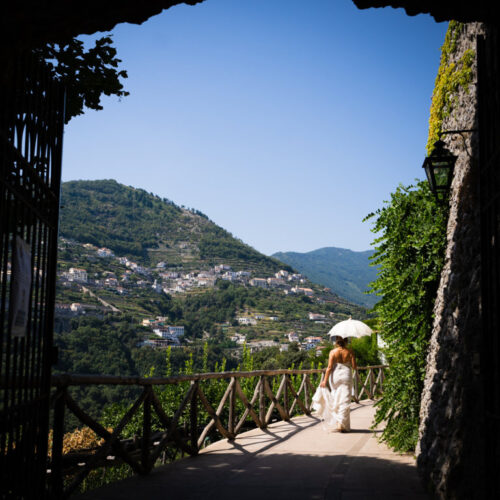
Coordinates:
[370,384]
[251,399]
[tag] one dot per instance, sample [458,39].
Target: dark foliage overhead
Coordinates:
[86,75]
[32,23]
[441,10]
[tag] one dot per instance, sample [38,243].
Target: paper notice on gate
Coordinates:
[21,286]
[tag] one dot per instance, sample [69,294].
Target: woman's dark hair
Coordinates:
[340,341]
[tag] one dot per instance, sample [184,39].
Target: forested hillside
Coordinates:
[135,223]
[129,259]
[346,272]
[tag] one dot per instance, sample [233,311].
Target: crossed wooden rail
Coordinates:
[276,395]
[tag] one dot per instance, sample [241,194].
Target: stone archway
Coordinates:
[27,24]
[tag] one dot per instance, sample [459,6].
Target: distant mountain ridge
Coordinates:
[346,272]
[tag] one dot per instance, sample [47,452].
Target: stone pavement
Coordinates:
[294,460]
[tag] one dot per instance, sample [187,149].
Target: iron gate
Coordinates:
[32,118]
[489,144]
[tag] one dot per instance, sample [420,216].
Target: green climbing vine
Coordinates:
[410,251]
[451,76]
[410,248]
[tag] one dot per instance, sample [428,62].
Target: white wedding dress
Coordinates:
[333,407]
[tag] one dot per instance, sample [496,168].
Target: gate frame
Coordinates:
[31,133]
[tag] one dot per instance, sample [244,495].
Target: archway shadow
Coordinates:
[271,476]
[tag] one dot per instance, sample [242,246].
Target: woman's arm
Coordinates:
[353,361]
[328,370]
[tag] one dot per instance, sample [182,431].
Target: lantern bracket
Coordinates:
[461,133]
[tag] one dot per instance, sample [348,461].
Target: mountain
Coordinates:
[150,229]
[346,272]
[171,269]
[165,258]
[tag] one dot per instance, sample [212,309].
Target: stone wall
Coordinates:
[449,449]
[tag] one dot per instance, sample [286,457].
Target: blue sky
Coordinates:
[286,122]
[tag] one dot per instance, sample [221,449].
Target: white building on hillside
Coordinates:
[258,345]
[247,321]
[316,316]
[207,281]
[172,275]
[78,275]
[205,274]
[274,282]
[303,291]
[177,331]
[313,340]
[105,252]
[169,332]
[239,338]
[260,282]
[221,268]
[161,343]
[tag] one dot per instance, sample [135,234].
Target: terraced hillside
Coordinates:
[150,229]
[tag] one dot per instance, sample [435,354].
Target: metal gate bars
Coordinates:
[31,125]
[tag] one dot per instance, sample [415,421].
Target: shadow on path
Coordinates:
[297,460]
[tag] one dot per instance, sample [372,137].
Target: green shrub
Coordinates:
[410,252]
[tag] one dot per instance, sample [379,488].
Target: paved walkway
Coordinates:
[294,460]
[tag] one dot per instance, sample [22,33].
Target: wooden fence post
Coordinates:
[356,386]
[232,394]
[146,430]
[193,418]
[306,392]
[262,402]
[286,406]
[57,444]
[141,456]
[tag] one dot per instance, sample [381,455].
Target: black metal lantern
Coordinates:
[439,169]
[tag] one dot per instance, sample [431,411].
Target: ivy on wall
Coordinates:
[410,255]
[451,76]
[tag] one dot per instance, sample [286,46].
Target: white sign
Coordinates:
[21,286]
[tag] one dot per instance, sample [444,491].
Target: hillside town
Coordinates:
[120,276]
[166,281]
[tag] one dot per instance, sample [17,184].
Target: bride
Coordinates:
[334,407]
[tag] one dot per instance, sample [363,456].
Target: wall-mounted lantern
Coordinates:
[439,169]
[440,163]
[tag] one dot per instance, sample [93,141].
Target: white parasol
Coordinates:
[350,328]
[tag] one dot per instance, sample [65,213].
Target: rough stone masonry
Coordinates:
[449,449]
